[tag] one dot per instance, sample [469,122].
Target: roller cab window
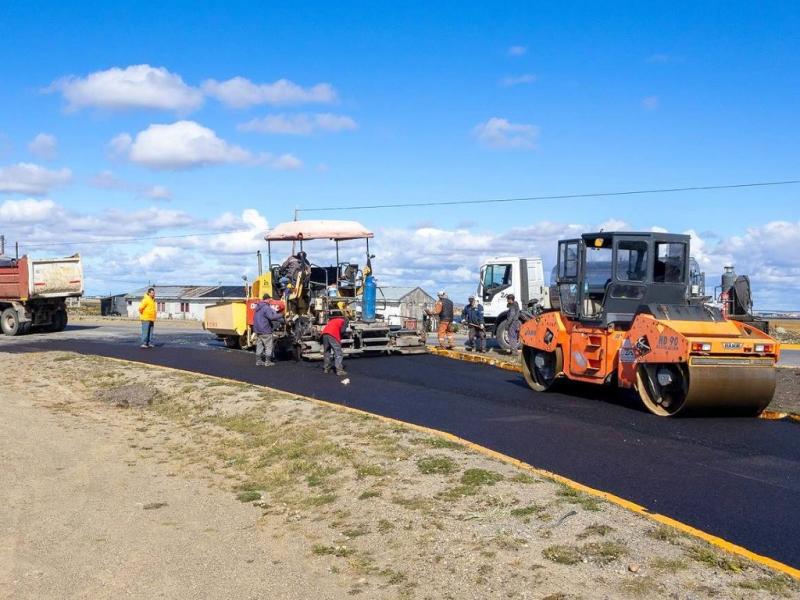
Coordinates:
[670,262]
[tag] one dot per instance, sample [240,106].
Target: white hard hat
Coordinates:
[442,294]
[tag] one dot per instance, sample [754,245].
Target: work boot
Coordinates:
[326,370]
[469,348]
[268,364]
[341,373]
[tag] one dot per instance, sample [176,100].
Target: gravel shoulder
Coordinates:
[123,479]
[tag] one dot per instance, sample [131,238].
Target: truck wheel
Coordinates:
[59,320]
[232,341]
[501,335]
[9,322]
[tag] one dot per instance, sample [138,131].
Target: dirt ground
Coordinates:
[123,479]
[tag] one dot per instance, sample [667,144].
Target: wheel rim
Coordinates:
[663,388]
[544,367]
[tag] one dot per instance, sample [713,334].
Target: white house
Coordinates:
[398,303]
[184,301]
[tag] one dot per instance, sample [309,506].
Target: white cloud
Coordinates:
[501,133]
[26,211]
[180,145]
[43,146]
[300,124]
[239,92]
[650,103]
[158,256]
[29,178]
[133,87]
[517,50]
[518,80]
[108,181]
[285,162]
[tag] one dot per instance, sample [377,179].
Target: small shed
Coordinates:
[403,302]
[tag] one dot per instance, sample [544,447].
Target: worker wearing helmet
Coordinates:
[332,345]
[443,309]
[472,315]
[513,317]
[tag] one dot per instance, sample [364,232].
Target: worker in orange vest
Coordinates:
[444,310]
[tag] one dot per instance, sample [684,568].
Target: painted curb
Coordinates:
[790,346]
[621,502]
[769,415]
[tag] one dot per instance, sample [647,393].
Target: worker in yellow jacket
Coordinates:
[147,314]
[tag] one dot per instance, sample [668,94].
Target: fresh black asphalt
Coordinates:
[737,478]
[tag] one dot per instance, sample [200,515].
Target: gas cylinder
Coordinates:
[370,299]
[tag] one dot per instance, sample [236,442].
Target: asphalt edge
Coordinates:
[769,415]
[716,541]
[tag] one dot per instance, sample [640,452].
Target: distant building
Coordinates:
[184,301]
[403,303]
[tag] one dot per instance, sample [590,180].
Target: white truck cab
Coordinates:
[504,275]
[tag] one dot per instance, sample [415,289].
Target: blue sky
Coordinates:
[420,102]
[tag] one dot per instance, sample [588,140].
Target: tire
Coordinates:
[9,322]
[59,320]
[501,335]
[232,342]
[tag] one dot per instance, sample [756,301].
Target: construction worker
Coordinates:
[147,315]
[332,345]
[443,309]
[265,319]
[293,265]
[513,318]
[472,316]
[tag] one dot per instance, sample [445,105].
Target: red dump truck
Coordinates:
[33,292]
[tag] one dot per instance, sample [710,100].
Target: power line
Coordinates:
[696,188]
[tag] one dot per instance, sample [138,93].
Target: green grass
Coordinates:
[776,585]
[363,471]
[669,565]
[338,551]
[714,559]
[525,511]
[641,587]
[437,442]
[248,496]
[366,495]
[595,530]
[355,532]
[319,500]
[665,533]
[600,553]
[385,526]
[524,478]
[563,554]
[572,496]
[478,477]
[437,465]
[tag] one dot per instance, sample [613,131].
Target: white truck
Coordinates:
[504,275]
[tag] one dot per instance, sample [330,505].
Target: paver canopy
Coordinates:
[318,230]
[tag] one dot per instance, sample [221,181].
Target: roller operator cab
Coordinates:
[622,314]
[504,275]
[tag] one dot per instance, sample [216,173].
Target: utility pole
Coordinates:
[2,245]
[296,210]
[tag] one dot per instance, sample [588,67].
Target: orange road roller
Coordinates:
[621,315]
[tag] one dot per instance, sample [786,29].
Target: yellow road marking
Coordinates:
[790,346]
[622,502]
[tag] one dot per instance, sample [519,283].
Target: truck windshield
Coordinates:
[495,276]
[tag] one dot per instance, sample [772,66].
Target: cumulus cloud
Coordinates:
[106,180]
[239,92]
[28,210]
[650,103]
[29,178]
[502,134]
[300,124]
[517,50]
[158,256]
[180,145]
[43,146]
[517,80]
[133,87]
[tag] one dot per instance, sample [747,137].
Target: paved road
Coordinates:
[735,478]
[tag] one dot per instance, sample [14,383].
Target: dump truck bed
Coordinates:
[29,279]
